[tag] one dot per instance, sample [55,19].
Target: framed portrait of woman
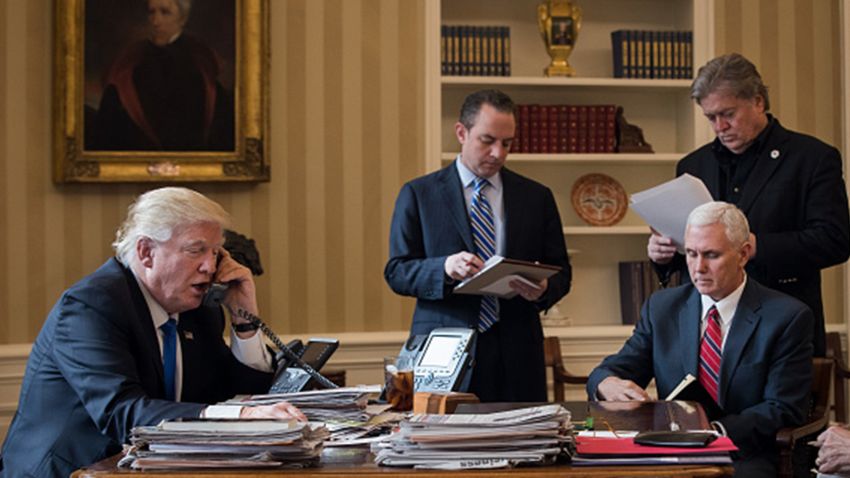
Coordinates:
[161,90]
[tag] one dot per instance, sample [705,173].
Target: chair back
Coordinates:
[796,460]
[821,384]
[560,375]
[835,351]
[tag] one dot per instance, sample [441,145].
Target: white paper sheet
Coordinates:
[666,207]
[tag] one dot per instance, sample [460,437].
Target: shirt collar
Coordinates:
[726,306]
[467,177]
[158,314]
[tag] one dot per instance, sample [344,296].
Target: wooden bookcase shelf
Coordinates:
[661,108]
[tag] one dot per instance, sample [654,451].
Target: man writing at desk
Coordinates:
[131,344]
[749,346]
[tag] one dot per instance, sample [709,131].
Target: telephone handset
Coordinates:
[291,376]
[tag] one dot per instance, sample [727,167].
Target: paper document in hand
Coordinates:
[666,207]
[494,278]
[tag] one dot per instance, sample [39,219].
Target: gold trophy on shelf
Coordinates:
[559,22]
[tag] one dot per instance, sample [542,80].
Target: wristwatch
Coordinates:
[245,327]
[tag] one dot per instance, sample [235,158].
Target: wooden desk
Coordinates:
[342,461]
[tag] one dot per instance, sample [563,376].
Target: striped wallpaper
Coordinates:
[346,108]
[346,131]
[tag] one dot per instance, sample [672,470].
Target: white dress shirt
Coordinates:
[494,197]
[251,352]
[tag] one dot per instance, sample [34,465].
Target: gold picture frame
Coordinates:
[245,160]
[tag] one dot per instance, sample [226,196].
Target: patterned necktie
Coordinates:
[484,235]
[169,356]
[710,353]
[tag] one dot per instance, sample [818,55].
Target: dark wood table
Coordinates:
[357,461]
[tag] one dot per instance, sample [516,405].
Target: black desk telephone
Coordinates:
[297,364]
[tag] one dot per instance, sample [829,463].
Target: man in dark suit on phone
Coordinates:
[750,347]
[132,345]
[446,222]
[788,184]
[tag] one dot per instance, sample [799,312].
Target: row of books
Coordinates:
[638,281]
[565,129]
[467,50]
[652,54]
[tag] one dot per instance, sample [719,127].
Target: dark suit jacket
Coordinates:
[796,204]
[431,222]
[765,372]
[95,372]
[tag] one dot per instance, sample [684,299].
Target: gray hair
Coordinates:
[732,73]
[728,215]
[157,214]
[185,7]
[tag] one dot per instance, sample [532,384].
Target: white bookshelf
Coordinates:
[661,108]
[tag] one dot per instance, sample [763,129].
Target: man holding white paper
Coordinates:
[447,223]
[748,346]
[789,185]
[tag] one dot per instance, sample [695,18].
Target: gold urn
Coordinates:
[559,22]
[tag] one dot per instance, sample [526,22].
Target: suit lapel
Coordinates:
[743,326]
[144,324]
[765,166]
[711,177]
[455,204]
[689,333]
[512,208]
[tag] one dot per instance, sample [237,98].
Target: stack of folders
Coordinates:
[536,435]
[212,443]
[344,411]
[594,448]
[331,405]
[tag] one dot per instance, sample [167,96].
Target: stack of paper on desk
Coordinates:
[492,440]
[343,410]
[336,404]
[211,443]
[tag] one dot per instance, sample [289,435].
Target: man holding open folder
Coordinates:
[748,346]
[447,223]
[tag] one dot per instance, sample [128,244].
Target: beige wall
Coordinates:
[346,112]
[796,46]
[346,131]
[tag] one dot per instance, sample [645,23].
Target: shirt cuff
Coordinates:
[222,411]
[719,428]
[251,351]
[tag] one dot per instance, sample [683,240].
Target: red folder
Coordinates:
[589,446]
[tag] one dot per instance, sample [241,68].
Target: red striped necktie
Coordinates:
[710,353]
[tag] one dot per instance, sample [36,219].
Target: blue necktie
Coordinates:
[484,235]
[169,357]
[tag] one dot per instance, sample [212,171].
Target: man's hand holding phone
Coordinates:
[241,292]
